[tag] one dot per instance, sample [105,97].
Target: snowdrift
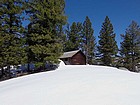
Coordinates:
[73,85]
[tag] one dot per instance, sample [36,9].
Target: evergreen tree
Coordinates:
[73,37]
[1,49]
[107,45]
[11,33]
[88,41]
[43,39]
[62,36]
[130,47]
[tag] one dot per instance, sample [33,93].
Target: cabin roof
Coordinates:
[69,54]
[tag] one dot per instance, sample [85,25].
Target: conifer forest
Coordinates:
[47,34]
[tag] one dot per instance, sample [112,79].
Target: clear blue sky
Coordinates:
[120,12]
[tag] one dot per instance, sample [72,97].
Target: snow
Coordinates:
[73,85]
[61,64]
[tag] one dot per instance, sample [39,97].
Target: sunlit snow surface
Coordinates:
[73,85]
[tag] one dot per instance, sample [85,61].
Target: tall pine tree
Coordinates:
[1,49]
[43,39]
[11,32]
[88,41]
[130,47]
[73,37]
[107,45]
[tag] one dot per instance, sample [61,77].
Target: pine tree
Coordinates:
[11,32]
[73,37]
[130,47]
[43,39]
[61,34]
[1,49]
[88,41]
[107,45]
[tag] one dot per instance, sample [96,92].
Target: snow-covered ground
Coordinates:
[73,85]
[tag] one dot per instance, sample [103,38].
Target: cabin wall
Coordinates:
[78,59]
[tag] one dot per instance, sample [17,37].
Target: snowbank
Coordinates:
[73,85]
[61,64]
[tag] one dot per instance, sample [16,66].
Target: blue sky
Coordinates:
[120,12]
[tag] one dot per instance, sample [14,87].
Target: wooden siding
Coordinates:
[78,59]
[74,58]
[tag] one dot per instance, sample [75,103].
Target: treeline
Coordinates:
[106,52]
[37,42]
[46,37]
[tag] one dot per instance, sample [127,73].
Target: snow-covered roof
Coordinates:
[69,54]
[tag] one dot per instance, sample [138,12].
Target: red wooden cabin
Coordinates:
[74,58]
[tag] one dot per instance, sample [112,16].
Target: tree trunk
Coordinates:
[28,67]
[8,71]
[2,72]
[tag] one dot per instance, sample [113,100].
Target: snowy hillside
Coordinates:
[73,85]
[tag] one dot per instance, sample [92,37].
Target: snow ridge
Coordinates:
[73,85]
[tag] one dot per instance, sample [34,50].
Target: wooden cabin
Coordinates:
[74,58]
